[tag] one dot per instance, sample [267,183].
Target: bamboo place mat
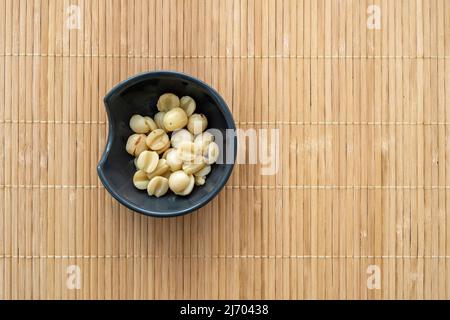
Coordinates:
[359,208]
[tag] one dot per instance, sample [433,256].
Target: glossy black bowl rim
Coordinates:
[155,74]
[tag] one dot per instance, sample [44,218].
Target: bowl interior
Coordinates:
[139,96]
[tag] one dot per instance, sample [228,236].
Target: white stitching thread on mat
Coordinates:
[218,257]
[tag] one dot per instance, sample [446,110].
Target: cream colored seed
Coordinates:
[188,104]
[167,102]
[180,136]
[192,168]
[157,139]
[132,142]
[140,180]
[150,123]
[178,181]
[211,154]
[158,187]
[188,152]
[189,188]
[160,170]
[166,147]
[197,123]
[173,160]
[159,120]
[138,125]
[164,155]
[147,161]
[203,172]
[167,174]
[175,119]
[199,181]
[140,148]
[203,140]
[136,144]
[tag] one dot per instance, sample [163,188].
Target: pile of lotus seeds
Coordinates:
[177,162]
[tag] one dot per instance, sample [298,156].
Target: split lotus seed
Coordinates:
[140,180]
[164,149]
[136,144]
[140,124]
[175,119]
[178,181]
[189,188]
[147,161]
[167,102]
[179,136]
[158,187]
[173,160]
[159,120]
[197,123]
[157,139]
[160,169]
[188,105]
[192,168]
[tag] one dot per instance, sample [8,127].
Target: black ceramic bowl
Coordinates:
[138,95]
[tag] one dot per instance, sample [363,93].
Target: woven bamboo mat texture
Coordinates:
[359,207]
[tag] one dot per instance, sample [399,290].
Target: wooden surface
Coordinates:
[364,175]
